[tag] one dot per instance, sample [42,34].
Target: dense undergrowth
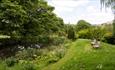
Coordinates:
[35,58]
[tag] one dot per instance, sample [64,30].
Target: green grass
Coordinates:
[81,56]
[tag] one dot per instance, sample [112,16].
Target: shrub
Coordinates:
[10,61]
[56,54]
[84,34]
[28,54]
[71,33]
[92,33]
[58,40]
[109,39]
[44,39]
[60,52]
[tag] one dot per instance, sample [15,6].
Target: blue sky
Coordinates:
[74,10]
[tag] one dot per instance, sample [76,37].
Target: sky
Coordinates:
[71,11]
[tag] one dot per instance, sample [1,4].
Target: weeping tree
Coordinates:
[110,3]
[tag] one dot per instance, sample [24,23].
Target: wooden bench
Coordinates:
[95,44]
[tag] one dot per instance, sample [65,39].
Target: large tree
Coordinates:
[82,24]
[110,3]
[28,19]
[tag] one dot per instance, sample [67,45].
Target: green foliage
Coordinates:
[114,28]
[44,39]
[85,34]
[60,53]
[82,24]
[108,27]
[11,17]
[92,33]
[109,39]
[51,39]
[97,33]
[28,66]
[79,55]
[108,33]
[57,40]
[41,57]
[27,20]
[110,3]
[28,54]
[53,55]
[71,32]
[10,61]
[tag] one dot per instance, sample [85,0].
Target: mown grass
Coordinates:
[81,56]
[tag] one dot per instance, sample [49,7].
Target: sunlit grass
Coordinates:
[81,56]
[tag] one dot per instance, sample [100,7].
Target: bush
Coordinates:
[58,40]
[44,39]
[28,54]
[53,40]
[84,34]
[109,39]
[10,61]
[60,52]
[56,54]
[71,33]
[92,33]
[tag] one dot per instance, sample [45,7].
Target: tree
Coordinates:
[95,32]
[70,30]
[82,24]
[110,3]
[11,18]
[28,20]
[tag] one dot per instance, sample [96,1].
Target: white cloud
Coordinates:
[97,16]
[63,9]
[67,5]
[92,9]
[74,10]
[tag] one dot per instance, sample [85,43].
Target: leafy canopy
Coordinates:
[82,24]
[28,19]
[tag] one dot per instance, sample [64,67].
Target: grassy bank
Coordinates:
[81,56]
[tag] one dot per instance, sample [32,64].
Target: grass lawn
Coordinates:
[81,56]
